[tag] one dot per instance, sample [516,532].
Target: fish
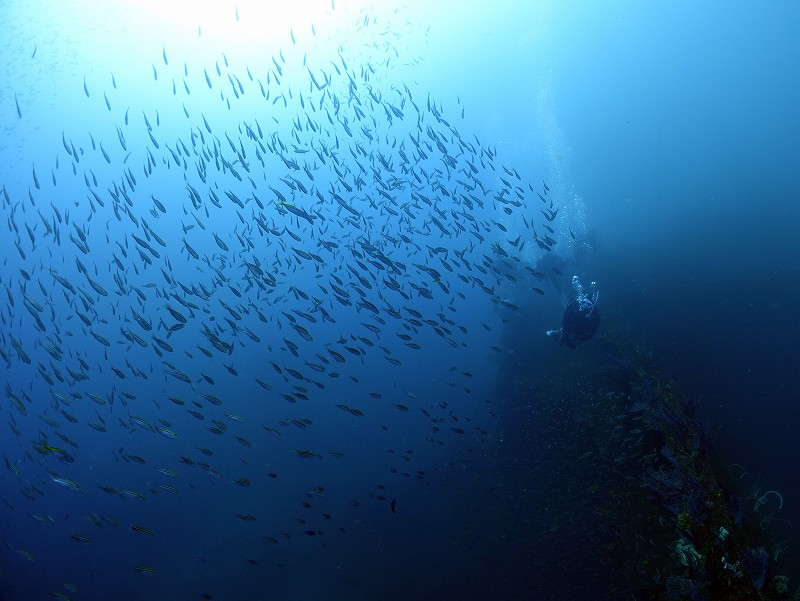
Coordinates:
[326,239]
[166,432]
[142,530]
[63,456]
[67,483]
[306,454]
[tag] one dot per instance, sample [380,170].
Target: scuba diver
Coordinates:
[581,317]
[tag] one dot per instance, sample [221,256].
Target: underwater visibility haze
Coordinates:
[277,282]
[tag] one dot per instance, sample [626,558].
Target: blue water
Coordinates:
[356,439]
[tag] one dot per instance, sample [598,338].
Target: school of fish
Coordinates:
[178,298]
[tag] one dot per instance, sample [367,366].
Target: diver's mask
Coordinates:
[586,303]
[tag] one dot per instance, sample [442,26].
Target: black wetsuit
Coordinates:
[577,325]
